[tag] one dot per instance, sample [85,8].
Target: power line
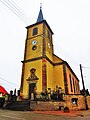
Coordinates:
[86,67]
[86,75]
[14,11]
[65,54]
[18,11]
[22,12]
[8,81]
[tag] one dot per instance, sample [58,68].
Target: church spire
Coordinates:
[40,16]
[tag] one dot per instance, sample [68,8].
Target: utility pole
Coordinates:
[82,78]
[83,87]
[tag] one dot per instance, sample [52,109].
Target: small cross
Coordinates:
[40,5]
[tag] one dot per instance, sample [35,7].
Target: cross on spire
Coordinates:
[40,5]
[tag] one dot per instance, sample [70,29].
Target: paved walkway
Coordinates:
[71,113]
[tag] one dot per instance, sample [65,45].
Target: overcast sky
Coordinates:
[68,19]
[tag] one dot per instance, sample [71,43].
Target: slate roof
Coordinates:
[40,16]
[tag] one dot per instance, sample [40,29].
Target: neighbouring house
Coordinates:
[2,91]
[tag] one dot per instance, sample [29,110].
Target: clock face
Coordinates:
[34,42]
[34,47]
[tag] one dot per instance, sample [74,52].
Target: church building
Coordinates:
[42,70]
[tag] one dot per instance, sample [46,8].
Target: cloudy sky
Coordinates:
[68,19]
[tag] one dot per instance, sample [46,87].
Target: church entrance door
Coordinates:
[31,90]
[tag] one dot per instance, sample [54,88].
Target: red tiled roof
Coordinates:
[2,90]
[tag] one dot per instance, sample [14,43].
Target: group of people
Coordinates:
[57,94]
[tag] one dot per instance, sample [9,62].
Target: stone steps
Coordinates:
[34,105]
[18,105]
[39,105]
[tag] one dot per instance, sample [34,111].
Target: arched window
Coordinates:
[35,31]
[71,83]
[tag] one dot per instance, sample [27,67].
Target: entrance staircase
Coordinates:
[34,105]
[18,105]
[46,105]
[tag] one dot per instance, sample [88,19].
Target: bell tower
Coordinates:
[38,48]
[39,39]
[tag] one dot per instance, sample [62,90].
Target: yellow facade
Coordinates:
[34,54]
[42,69]
[50,75]
[59,76]
[73,84]
[40,30]
[29,65]
[49,44]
